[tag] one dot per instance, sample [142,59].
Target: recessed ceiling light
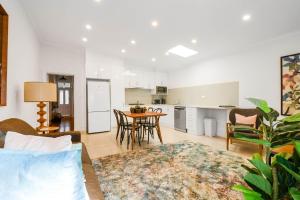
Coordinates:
[194,41]
[153,59]
[133,42]
[84,39]
[167,53]
[98,1]
[246,17]
[88,27]
[123,50]
[154,23]
[182,51]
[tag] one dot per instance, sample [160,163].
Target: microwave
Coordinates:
[160,90]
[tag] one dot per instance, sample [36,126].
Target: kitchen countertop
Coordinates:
[188,106]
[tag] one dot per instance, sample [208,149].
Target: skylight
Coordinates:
[182,51]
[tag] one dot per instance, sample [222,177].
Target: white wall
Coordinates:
[106,67]
[67,61]
[257,70]
[23,55]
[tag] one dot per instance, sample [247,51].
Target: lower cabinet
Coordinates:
[192,121]
[166,121]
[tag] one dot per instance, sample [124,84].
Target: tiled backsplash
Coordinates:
[206,95]
[133,95]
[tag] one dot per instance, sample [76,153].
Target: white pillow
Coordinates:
[17,141]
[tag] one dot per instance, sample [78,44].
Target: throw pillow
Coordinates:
[17,141]
[36,176]
[243,120]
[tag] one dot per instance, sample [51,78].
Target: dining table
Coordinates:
[136,116]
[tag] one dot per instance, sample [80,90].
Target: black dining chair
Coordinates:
[150,124]
[126,128]
[118,122]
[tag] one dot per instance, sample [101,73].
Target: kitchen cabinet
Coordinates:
[166,121]
[192,121]
[145,79]
[161,79]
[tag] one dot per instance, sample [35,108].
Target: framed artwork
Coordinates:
[290,84]
[3,54]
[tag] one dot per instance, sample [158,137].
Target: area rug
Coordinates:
[171,171]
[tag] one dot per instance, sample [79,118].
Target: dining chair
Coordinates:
[126,127]
[150,124]
[118,122]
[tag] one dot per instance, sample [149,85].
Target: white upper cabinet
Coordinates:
[144,79]
[161,79]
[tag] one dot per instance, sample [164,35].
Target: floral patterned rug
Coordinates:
[171,171]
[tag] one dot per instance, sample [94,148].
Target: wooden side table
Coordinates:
[48,129]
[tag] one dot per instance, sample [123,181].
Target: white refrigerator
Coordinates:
[98,106]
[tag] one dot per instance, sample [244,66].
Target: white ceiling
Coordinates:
[216,24]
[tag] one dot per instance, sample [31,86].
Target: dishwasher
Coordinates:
[180,118]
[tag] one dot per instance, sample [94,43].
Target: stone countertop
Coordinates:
[188,106]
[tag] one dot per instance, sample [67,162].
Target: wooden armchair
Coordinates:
[230,129]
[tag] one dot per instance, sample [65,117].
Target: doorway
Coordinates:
[61,113]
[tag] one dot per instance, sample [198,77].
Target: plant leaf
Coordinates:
[292,118]
[259,182]
[260,103]
[294,193]
[262,167]
[251,170]
[253,140]
[287,166]
[251,197]
[248,193]
[297,147]
[241,128]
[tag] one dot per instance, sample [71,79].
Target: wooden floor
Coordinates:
[104,144]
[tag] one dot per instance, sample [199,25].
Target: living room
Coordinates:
[177,71]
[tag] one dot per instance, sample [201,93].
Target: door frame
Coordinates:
[87,98]
[72,96]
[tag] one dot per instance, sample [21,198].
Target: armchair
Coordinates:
[230,126]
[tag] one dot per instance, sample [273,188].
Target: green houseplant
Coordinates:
[278,177]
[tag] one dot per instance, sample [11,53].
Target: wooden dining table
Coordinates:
[136,116]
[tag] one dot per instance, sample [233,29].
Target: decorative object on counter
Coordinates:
[138,109]
[290,84]
[279,176]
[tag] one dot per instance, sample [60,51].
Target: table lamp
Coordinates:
[40,92]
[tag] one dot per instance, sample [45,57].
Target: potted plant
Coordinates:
[278,177]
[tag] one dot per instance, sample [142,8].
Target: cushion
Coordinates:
[17,141]
[36,176]
[243,120]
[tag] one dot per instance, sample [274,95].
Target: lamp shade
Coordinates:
[40,92]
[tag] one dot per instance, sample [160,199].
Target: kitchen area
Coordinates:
[186,107]
[198,110]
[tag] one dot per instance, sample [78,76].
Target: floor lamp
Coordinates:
[40,92]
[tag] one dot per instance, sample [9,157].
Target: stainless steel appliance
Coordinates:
[160,90]
[180,118]
[156,101]
[159,101]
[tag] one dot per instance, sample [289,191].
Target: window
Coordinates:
[67,97]
[64,97]
[61,97]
